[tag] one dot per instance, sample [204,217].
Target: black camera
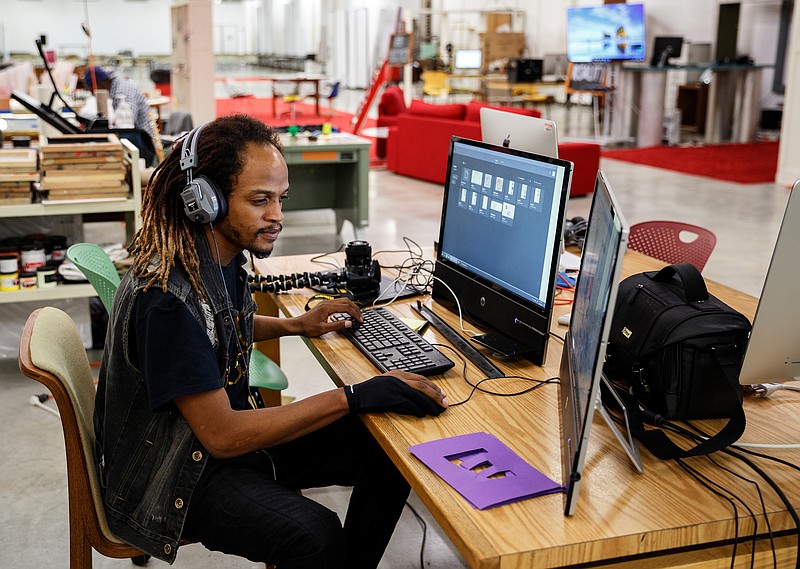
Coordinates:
[361,274]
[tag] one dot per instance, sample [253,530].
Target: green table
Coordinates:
[331,172]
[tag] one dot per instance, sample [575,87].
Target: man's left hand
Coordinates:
[315,322]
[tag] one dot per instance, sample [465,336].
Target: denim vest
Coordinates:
[149,463]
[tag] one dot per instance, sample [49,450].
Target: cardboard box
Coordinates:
[495,20]
[497,46]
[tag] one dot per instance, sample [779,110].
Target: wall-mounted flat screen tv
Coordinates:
[606,33]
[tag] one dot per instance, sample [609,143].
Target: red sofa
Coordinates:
[419,141]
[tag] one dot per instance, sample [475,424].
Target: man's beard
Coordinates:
[251,246]
[260,254]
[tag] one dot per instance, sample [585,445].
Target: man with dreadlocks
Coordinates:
[182,452]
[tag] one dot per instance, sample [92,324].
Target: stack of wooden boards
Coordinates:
[19,167]
[83,166]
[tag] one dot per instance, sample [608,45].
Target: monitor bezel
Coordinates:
[530,325]
[576,422]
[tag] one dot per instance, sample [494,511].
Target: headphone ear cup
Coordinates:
[202,201]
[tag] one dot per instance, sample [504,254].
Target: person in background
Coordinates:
[118,89]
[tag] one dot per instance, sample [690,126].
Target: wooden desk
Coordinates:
[660,519]
[157,103]
[331,172]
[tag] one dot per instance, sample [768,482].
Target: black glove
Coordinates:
[388,393]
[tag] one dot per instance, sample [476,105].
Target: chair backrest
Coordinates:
[98,268]
[178,122]
[392,102]
[265,373]
[434,82]
[51,352]
[673,242]
[334,92]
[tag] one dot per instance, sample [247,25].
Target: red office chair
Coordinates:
[673,242]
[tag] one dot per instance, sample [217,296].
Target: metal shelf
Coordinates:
[69,208]
[58,292]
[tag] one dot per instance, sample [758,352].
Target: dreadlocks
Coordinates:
[167,234]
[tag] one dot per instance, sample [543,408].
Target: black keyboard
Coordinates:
[390,343]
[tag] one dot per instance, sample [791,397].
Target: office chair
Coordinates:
[99,270]
[292,99]
[51,352]
[673,242]
[434,84]
[332,94]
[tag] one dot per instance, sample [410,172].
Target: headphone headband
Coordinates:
[189,158]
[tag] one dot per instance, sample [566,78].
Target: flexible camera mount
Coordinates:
[360,277]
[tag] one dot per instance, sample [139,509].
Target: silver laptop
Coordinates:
[773,351]
[520,132]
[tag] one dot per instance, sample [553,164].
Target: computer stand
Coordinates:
[627,442]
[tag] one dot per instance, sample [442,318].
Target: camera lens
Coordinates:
[358,253]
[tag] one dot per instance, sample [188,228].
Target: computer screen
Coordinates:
[501,225]
[606,33]
[531,134]
[585,342]
[773,350]
[468,59]
[664,49]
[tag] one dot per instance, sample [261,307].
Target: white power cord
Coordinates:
[767,389]
[36,401]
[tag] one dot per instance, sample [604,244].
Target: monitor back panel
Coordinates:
[531,134]
[773,351]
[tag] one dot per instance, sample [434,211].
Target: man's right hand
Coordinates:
[397,391]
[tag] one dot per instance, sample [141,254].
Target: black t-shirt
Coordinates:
[175,354]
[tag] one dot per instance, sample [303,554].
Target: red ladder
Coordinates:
[378,79]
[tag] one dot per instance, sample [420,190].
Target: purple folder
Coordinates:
[483,470]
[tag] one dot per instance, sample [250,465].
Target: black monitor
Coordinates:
[664,49]
[498,253]
[585,343]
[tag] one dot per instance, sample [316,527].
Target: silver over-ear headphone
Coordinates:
[202,200]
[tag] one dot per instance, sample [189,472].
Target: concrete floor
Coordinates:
[33,494]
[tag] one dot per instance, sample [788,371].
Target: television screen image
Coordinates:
[468,59]
[606,33]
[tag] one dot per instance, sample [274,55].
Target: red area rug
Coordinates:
[740,163]
[261,108]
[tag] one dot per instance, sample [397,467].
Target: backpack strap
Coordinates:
[658,443]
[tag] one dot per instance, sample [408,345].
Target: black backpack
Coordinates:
[677,348]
